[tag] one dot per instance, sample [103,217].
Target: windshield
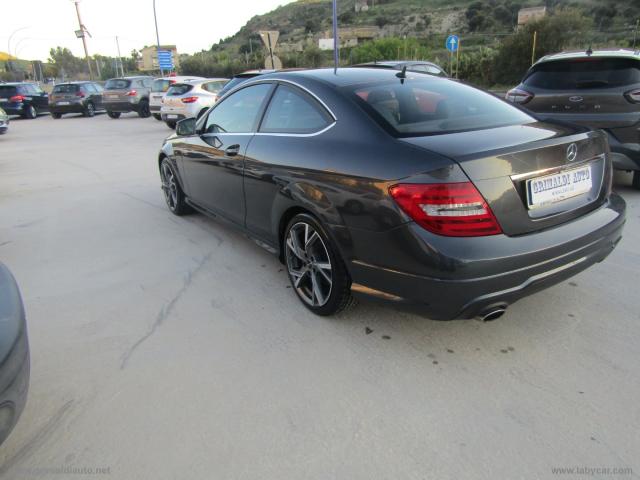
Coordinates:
[431,105]
[117,84]
[65,88]
[579,73]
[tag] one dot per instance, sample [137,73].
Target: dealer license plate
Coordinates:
[550,189]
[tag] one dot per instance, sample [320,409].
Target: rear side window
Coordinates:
[213,87]
[160,85]
[584,73]
[7,91]
[234,82]
[117,84]
[179,89]
[432,106]
[65,88]
[292,111]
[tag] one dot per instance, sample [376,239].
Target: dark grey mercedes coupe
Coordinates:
[402,186]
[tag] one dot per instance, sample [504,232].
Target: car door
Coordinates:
[96,96]
[39,98]
[292,126]
[213,159]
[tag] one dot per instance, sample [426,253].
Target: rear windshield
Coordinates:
[431,106]
[161,85]
[179,89]
[7,91]
[234,82]
[214,87]
[66,88]
[117,84]
[584,73]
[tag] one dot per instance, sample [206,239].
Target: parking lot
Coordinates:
[166,347]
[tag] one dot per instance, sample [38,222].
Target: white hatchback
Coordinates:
[160,87]
[190,99]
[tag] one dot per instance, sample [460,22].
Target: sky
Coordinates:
[192,25]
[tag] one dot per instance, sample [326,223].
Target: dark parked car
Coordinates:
[4,121]
[418,190]
[599,89]
[14,354]
[128,94]
[241,78]
[24,99]
[412,66]
[76,97]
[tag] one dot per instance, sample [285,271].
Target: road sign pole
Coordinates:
[155,19]
[458,58]
[336,42]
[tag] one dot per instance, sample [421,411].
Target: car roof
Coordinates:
[179,78]
[15,84]
[395,63]
[348,75]
[602,53]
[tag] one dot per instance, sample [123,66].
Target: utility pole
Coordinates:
[119,58]
[336,43]
[155,18]
[84,32]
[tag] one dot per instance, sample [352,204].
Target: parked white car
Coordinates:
[160,87]
[190,99]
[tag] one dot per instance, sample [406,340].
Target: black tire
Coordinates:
[317,272]
[635,183]
[157,117]
[30,112]
[173,194]
[143,109]
[89,110]
[171,125]
[57,116]
[113,114]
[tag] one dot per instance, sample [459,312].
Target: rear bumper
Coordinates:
[154,108]
[72,108]
[122,107]
[14,354]
[447,278]
[172,117]
[14,108]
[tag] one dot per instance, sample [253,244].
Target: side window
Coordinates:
[147,83]
[98,88]
[238,113]
[292,111]
[88,88]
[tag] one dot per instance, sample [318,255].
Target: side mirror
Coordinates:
[186,127]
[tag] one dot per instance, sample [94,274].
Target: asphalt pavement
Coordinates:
[173,348]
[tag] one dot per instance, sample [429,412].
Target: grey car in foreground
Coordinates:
[411,188]
[14,354]
[598,89]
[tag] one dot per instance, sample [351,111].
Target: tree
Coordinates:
[65,61]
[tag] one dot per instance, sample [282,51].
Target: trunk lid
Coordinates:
[527,172]
[116,89]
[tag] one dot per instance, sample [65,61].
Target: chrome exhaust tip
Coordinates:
[492,314]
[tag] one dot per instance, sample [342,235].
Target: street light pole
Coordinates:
[336,52]
[11,36]
[155,18]
[119,58]
[84,39]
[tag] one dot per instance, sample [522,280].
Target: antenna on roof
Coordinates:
[402,75]
[589,51]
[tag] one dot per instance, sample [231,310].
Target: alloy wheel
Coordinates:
[169,186]
[309,264]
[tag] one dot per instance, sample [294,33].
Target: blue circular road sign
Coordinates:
[452,43]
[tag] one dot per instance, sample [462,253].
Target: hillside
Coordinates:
[303,22]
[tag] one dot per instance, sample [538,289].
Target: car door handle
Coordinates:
[232,150]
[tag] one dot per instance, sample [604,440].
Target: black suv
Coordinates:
[127,94]
[598,89]
[24,99]
[76,97]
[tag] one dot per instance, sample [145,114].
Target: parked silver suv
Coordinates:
[160,87]
[190,99]
[127,94]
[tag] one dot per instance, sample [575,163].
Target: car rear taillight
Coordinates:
[80,94]
[131,93]
[16,99]
[633,96]
[516,95]
[449,209]
[189,99]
